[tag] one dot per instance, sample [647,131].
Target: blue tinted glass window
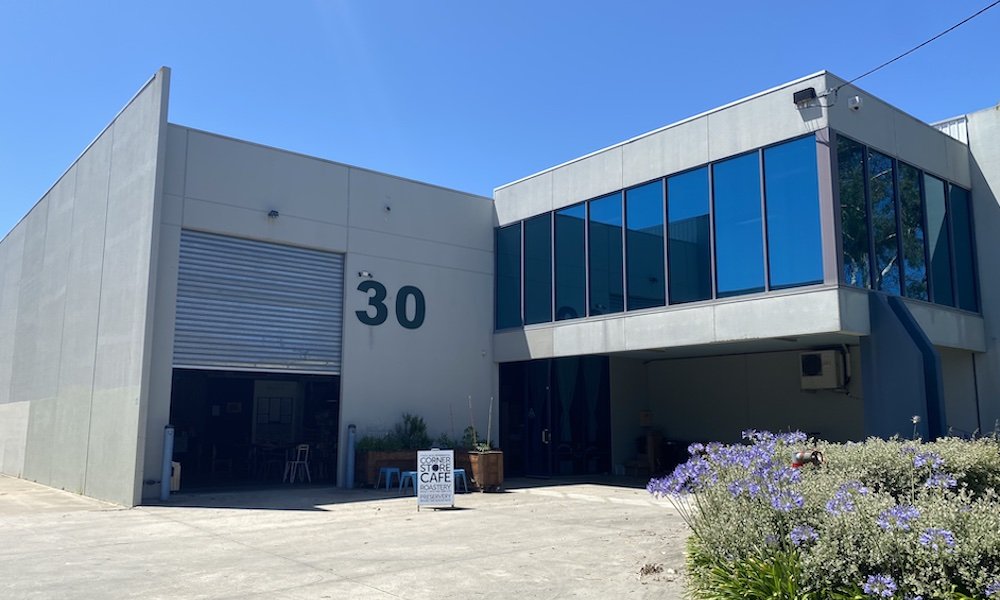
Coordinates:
[912,234]
[961,228]
[739,247]
[690,253]
[853,213]
[508,274]
[644,246]
[938,241]
[606,289]
[881,190]
[538,269]
[794,243]
[570,267]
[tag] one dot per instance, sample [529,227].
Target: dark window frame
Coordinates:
[588,250]
[709,181]
[663,233]
[713,224]
[949,227]
[496,276]
[768,285]
[586,261]
[524,263]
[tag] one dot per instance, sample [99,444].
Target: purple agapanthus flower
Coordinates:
[931,459]
[696,448]
[785,473]
[843,501]
[937,539]
[792,437]
[786,500]
[756,437]
[744,486]
[840,504]
[802,534]
[748,457]
[993,589]
[941,481]
[881,586]
[897,517]
[691,476]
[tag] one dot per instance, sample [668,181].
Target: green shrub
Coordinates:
[386,443]
[409,434]
[879,519]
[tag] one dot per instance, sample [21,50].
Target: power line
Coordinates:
[919,46]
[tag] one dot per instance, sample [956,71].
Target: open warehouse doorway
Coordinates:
[235,428]
[255,396]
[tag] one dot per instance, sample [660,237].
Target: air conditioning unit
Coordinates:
[821,370]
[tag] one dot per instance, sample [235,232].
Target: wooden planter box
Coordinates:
[368,463]
[487,470]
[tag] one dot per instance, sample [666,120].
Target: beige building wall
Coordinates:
[75,308]
[401,232]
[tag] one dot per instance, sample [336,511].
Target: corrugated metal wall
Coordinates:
[956,128]
[251,305]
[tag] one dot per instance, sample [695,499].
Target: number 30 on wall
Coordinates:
[377,301]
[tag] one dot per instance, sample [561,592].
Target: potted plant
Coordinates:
[486,463]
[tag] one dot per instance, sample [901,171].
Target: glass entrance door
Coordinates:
[555,416]
[538,419]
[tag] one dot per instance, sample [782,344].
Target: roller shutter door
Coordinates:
[251,305]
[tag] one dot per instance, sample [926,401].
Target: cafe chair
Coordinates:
[299,466]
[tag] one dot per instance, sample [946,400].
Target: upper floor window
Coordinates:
[746,224]
[794,242]
[965,260]
[855,268]
[538,269]
[644,246]
[739,247]
[939,240]
[903,231]
[570,262]
[912,238]
[605,245]
[882,192]
[508,276]
[689,253]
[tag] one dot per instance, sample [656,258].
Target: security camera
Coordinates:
[854,103]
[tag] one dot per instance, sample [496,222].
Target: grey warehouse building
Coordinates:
[808,257]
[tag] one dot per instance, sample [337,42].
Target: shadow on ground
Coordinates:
[321,498]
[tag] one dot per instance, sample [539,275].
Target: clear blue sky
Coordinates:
[462,93]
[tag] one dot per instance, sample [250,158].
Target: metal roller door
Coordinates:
[251,305]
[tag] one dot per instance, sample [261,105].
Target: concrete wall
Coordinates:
[73,313]
[984,131]
[629,396]
[961,402]
[438,240]
[907,381]
[806,311]
[892,131]
[746,124]
[716,398]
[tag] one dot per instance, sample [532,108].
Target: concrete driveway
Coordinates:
[538,540]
